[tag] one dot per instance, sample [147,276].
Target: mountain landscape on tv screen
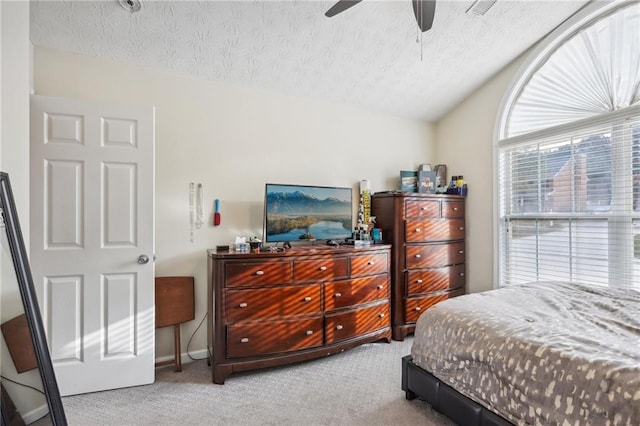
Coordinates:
[299,215]
[296,203]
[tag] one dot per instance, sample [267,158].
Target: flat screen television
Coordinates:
[304,212]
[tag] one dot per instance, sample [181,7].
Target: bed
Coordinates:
[545,353]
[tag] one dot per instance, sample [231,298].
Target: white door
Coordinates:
[92,225]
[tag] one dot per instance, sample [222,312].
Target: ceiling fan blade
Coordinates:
[341,6]
[424,10]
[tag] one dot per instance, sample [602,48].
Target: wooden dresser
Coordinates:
[427,233]
[273,308]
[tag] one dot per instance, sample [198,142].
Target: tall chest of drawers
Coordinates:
[267,309]
[427,233]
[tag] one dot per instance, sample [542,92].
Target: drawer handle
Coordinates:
[462,274]
[461,251]
[323,268]
[381,315]
[371,262]
[309,332]
[337,295]
[418,230]
[380,287]
[243,305]
[461,228]
[418,256]
[418,308]
[338,327]
[419,281]
[307,299]
[423,208]
[244,340]
[259,272]
[455,209]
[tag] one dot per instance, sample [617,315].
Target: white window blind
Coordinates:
[569,168]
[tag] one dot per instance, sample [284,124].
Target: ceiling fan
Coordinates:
[424,11]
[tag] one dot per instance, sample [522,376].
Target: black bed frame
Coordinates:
[418,383]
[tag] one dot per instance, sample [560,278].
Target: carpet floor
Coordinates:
[361,386]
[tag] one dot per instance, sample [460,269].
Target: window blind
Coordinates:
[569,161]
[570,205]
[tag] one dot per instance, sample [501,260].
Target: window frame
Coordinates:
[587,16]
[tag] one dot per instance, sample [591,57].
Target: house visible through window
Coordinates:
[569,159]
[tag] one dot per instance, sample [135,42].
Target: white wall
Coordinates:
[465,145]
[235,139]
[15,77]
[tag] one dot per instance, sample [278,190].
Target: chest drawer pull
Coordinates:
[259,272]
[244,340]
[381,315]
[338,327]
[460,251]
[371,262]
[462,274]
[243,305]
[418,308]
[337,295]
[419,281]
[417,230]
[423,208]
[455,209]
[307,299]
[418,256]
[380,287]
[323,268]
[461,228]
[309,332]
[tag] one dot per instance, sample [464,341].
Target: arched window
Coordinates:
[568,155]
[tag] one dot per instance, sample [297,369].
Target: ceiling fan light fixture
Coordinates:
[480,7]
[131,6]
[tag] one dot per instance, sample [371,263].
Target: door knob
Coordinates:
[143,259]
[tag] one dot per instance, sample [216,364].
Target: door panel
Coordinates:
[92,196]
[119,208]
[63,204]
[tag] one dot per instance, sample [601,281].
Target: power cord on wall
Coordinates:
[22,384]
[26,386]
[191,338]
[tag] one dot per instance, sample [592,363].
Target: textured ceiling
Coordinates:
[370,56]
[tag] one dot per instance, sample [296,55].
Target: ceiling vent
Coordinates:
[480,7]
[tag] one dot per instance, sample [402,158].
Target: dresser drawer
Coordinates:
[320,269]
[422,208]
[273,302]
[369,265]
[340,294]
[431,255]
[453,209]
[415,306]
[249,339]
[252,273]
[422,281]
[434,230]
[349,324]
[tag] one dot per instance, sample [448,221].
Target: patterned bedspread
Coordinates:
[547,353]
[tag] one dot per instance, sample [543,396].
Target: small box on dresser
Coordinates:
[427,234]
[273,308]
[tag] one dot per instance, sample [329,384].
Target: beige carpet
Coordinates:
[357,387]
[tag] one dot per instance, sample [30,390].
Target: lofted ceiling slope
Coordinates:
[370,56]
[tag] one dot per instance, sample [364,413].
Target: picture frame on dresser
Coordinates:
[441,175]
[427,182]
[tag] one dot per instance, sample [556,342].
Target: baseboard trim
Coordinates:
[35,414]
